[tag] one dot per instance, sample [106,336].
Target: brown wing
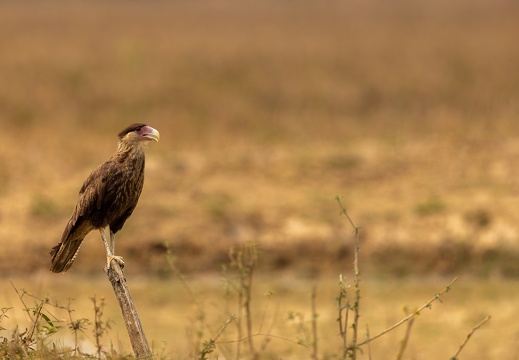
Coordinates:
[81,223]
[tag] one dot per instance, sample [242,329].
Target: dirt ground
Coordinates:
[267,111]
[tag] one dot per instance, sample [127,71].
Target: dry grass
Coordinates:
[281,308]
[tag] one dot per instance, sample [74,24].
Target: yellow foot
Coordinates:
[118,259]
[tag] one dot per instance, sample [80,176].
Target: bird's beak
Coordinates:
[153,135]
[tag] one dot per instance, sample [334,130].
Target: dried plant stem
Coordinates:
[314,325]
[98,325]
[239,324]
[356,284]
[405,340]
[474,329]
[267,335]
[23,302]
[369,345]
[30,333]
[209,345]
[266,340]
[173,267]
[34,321]
[248,313]
[343,306]
[413,314]
[244,260]
[345,339]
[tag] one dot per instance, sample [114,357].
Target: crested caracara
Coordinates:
[107,198]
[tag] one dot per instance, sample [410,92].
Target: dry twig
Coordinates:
[356,284]
[428,304]
[343,305]
[474,329]
[314,325]
[405,340]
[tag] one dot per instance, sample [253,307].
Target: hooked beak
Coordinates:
[153,134]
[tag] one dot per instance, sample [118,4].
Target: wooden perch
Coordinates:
[140,346]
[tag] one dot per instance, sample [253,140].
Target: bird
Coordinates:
[107,198]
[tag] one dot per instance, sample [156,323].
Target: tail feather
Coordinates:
[64,254]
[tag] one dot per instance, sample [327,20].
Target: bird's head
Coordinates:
[139,132]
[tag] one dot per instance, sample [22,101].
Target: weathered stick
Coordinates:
[140,346]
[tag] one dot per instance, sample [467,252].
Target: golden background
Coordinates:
[267,111]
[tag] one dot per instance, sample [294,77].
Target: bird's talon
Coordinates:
[118,259]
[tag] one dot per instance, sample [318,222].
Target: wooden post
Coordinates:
[140,346]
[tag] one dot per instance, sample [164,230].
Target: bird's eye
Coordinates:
[138,129]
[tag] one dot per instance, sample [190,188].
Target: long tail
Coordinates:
[64,254]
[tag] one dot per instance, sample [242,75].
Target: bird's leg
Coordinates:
[112,241]
[107,247]
[110,250]
[119,259]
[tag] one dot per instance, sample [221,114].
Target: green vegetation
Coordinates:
[431,206]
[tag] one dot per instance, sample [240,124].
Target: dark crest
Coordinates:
[129,129]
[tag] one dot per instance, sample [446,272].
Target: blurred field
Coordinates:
[267,111]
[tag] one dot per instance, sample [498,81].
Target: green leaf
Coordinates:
[47,319]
